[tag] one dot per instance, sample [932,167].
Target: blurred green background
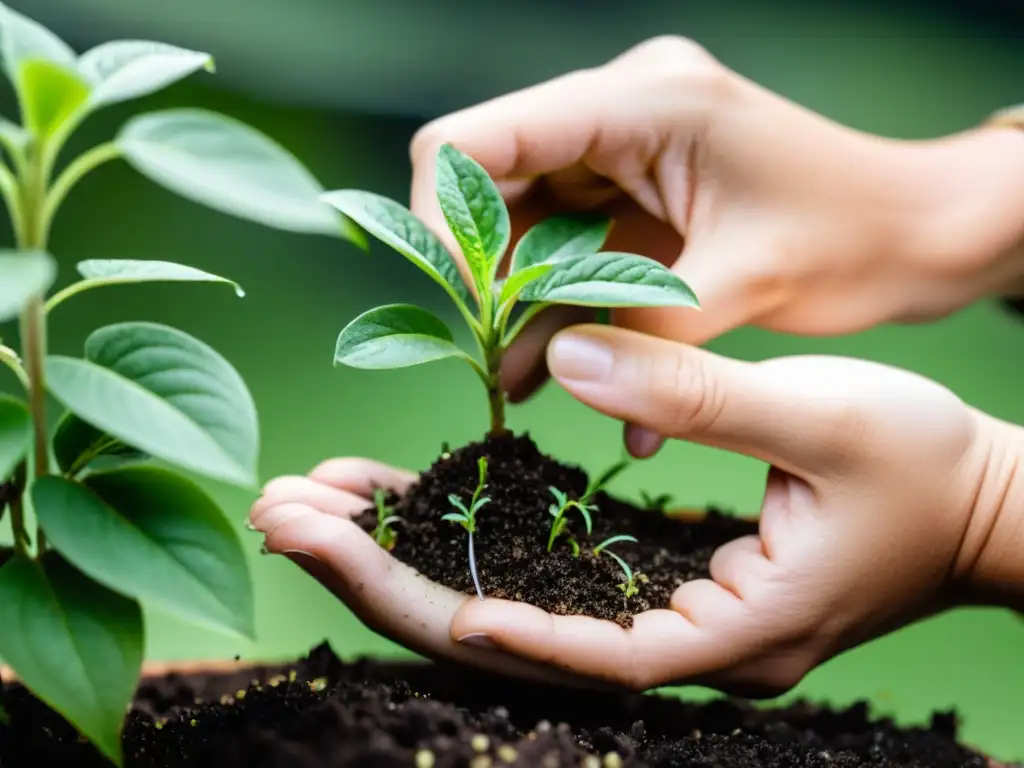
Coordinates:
[344,85]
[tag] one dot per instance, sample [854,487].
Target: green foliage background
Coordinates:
[324,90]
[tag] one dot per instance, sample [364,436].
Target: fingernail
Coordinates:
[293,553]
[478,640]
[577,357]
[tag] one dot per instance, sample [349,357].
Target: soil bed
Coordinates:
[321,712]
[511,541]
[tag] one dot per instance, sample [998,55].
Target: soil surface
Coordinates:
[324,713]
[511,541]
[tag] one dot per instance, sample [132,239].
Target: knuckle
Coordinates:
[427,139]
[669,50]
[690,398]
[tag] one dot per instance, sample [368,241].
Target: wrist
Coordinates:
[963,221]
[991,559]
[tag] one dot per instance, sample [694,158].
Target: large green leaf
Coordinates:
[152,535]
[78,446]
[165,393]
[74,643]
[23,274]
[50,94]
[127,69]
[224,164]
[22,39]
[514,284]
[611,280]
[394,336]
[395,226]
[560,238]
[475,212]
[15,434]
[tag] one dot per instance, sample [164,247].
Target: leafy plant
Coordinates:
[466,517]
[655,503]
[564,504]
[556,262]
[384,534]
[113,531]
[630,580]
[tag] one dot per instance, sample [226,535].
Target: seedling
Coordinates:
[559,511]
[112,531]
[655,503]
[630,580]
[384,534]
[466,517]
[555,262]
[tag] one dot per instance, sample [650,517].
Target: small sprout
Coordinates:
[240,694]
[612,760]
[466,517]
[292,674]
[192,722]
[655,503]
[629,583]
[591,761]
[480,743]
[226,700]
[559,511]
[159,724]
[424,759]
[318,684]
[276,680]
[507,754]
[384,534]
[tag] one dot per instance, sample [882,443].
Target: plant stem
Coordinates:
[18,525]
[74,173]
[472,569]
[495,396]
[10,358]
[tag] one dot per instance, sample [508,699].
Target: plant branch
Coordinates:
[73,174]
[10,358]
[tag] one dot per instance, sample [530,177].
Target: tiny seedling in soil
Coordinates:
[655,503]
[384,534]
[556,262]
[630,580]
[559,511]
[113,531]
[466,517]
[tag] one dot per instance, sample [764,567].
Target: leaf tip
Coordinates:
[210,64]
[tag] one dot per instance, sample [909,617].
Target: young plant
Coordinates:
[629,584]
[466,517]
[556,262]
[112,531]
[384,534]
[655,503]
[560,510]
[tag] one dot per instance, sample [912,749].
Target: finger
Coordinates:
[388,596]
[518,136]
[362,476]
[692,394]
[303,490]
[524,368]
[663,646]
[642,443]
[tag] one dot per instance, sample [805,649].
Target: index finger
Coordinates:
[516,138]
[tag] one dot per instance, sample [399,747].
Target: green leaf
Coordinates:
[395,226]
[475,212]
[517,281]
[394,336]
[22,39]
[614,539]
[23,274]
[15,435]
[454,517]
[50,94]
[154,536]
[585,514]
[127,69]
[74,643]
[98,272]
[224,164]
[560,238]
[611,280]
[165,393]
[600,481]
[78,445]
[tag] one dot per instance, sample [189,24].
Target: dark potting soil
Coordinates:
[324,713]
[511,541]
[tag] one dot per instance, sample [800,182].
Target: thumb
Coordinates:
[689,393]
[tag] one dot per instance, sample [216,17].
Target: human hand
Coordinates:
[888,499]
[776,216]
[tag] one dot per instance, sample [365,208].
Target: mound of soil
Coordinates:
[324,713]
[511,541]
